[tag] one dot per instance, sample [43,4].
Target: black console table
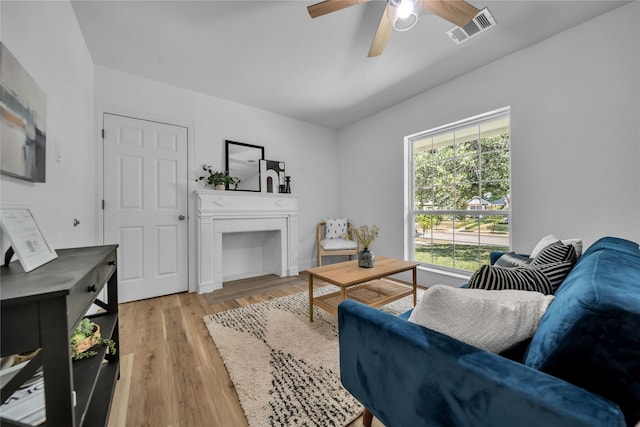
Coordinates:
[41,309]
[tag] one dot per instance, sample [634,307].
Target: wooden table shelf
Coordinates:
[367,285]
[375,294]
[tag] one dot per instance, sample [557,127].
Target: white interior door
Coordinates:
[145,205]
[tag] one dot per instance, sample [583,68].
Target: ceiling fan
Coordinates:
[402,15]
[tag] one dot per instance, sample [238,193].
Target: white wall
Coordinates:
[309,151]
[575,135]
[46,39]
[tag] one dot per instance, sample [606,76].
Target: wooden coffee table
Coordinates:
[366,285]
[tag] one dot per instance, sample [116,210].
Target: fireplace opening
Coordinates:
[251,254]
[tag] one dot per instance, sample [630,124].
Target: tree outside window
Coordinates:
[461,191]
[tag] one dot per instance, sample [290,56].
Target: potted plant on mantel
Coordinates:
[219,180]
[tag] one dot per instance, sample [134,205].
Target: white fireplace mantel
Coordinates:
[222,212]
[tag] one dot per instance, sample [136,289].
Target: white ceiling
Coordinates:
[272,55]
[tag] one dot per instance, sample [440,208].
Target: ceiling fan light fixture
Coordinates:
[403,14]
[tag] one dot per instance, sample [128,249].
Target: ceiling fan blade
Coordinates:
[458,12]
[329,6]
[382,35]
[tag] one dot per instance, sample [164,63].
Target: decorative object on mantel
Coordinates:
[271,176]
[287,187]
[365,236]
[243,161]
[220,180]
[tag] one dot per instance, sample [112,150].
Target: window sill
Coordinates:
[449,273]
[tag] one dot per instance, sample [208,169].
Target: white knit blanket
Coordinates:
[490,320]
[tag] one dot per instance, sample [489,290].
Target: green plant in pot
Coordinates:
[84,337]
[219,180]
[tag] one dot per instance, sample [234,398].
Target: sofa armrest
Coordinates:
[494,255]
[409,375]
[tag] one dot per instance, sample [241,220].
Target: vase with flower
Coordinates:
[365,235]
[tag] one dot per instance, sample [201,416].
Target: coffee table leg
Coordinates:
[415,285]
[310,297]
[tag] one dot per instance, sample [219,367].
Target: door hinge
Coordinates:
[102,204]
[103,133]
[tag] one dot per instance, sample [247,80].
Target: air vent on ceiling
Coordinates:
[480,23]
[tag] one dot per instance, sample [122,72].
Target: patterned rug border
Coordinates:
[291,403]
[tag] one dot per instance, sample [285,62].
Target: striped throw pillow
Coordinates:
[556,272]
[555,252]
[512,259]
[544,278]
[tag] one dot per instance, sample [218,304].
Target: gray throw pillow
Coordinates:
[513,259]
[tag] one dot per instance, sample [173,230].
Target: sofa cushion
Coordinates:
[335,228]
[492,321]
[545,278]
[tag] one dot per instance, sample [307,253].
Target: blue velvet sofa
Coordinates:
[581,368]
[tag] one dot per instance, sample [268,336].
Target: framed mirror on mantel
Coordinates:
[243,162]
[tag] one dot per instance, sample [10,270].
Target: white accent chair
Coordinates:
[333,247]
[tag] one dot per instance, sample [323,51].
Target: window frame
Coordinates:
[410,211]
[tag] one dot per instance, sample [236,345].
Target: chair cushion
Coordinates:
[335,228]
[338,244]
[492,321]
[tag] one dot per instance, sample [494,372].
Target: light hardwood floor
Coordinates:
[171,372]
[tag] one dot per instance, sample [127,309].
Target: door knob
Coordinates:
[181,217]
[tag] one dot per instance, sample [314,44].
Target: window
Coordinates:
[459,192]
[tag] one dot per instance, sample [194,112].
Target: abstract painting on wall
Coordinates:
[23,108]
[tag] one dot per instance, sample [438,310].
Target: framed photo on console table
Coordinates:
[26,239]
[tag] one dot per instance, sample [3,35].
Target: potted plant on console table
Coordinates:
[219,180]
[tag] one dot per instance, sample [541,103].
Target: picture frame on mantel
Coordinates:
[26,238]
[243,162]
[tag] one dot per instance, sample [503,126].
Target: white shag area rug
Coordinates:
[285,369]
